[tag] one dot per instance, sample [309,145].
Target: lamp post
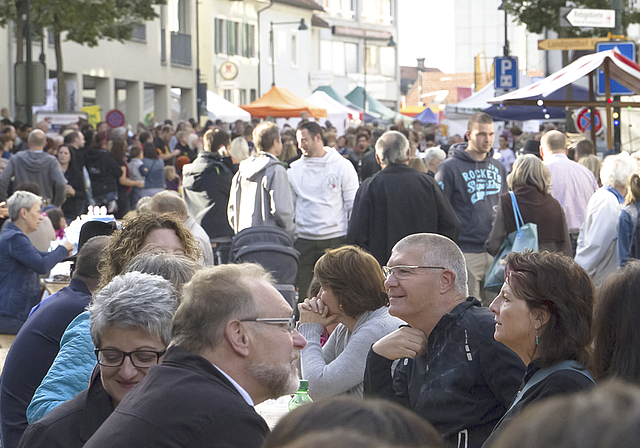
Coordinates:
[503,7]
[301,26]
[390,43]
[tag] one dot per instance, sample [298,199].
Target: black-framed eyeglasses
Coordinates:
[288,322]
[142,359]
[403,272]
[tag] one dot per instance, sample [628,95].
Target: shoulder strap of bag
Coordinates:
[516,211]
[543,373]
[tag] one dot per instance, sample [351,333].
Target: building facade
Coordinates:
[160,57]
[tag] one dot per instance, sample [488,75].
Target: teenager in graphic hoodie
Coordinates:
[473,181]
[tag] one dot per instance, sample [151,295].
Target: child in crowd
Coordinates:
[171,177]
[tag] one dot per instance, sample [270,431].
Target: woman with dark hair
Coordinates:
[615,327]
[76,202]
[119,153]
[352,294]
[381,420]
[530,181]
[628,235]
[153,171]
[543,313]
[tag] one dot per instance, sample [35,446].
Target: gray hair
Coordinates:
[168,201]
[529,170]
[134,300]
[37,138]
[19,200]
[213,297]
[392,147]
[155,260]
[239,148]
[616,170]
[434,153]
[438,250]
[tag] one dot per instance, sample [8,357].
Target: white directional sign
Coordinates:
[592,18]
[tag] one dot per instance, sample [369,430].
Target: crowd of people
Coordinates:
[159,341]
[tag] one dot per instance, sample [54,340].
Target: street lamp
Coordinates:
[390,43]
[503,7]
[302,26]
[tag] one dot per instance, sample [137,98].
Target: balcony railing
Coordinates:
[163,45]
[181,49]
[139,33]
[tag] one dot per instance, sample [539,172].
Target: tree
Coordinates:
[82,21]
[537,15]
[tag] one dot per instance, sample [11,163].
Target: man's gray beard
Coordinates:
[278,380]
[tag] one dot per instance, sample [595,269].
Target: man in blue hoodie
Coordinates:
[473,181]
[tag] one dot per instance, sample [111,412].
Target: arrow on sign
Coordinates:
[592,18]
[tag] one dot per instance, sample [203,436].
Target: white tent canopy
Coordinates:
[338,114]
[219,108]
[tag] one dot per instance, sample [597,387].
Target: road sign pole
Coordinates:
[617,138]
[592,97]
[607,89]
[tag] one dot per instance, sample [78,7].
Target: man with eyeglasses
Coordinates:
[451,371]
[234,345]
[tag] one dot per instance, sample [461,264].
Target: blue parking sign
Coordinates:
[627,49]
[506,73]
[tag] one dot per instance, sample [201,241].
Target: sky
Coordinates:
[420,24]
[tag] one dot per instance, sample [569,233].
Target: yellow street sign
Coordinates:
[577,43]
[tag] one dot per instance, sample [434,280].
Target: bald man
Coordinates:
[571,183]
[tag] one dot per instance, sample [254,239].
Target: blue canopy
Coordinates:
[523,113]
[427,116]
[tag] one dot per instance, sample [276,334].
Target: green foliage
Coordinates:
[84,21]
[539,14]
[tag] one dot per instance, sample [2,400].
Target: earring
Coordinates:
[537,338]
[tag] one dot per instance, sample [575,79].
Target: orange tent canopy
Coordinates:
[280,102]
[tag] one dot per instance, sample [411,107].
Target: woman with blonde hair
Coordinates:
[530,180]
[628,237]
[593,163]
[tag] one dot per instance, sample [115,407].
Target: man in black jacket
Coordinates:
[398,201]
[451,370]
[234,345]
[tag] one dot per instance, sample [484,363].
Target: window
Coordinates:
[371,58]
[253,95]
[338,64]
[228,94]
[294,50]
[388,61]
[178,16]
[325,55]
[351,58]
[219,35]
[242,96]
[377,11]
[340,8]
[248,40]
[233,37]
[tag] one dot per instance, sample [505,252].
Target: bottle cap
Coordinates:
[304,385]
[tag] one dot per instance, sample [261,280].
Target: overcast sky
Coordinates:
[423,26]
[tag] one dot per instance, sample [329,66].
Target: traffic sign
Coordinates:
[628,49]
[583,120]
[578,43]
[114,118]
[506,73]
[587,18]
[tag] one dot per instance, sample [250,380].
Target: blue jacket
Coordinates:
[628,237]
[32,353]
[153,172]
[69,374]
[20,264]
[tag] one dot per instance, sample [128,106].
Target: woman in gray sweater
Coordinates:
[352,295]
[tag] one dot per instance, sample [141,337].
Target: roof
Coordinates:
[280,102]
[304,4]
[318,22]
[442,86]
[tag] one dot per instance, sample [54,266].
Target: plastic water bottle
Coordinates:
[301,397]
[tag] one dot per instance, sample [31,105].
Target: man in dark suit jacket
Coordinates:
[397,202]
[234,345]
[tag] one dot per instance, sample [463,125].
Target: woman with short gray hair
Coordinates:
[130,324]
[21,262]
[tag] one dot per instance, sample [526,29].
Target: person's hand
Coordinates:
[405,342]
[67,245]
[176,152]
[223,152]
[140,183]
[314,310]
[4,211]
[70,191]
